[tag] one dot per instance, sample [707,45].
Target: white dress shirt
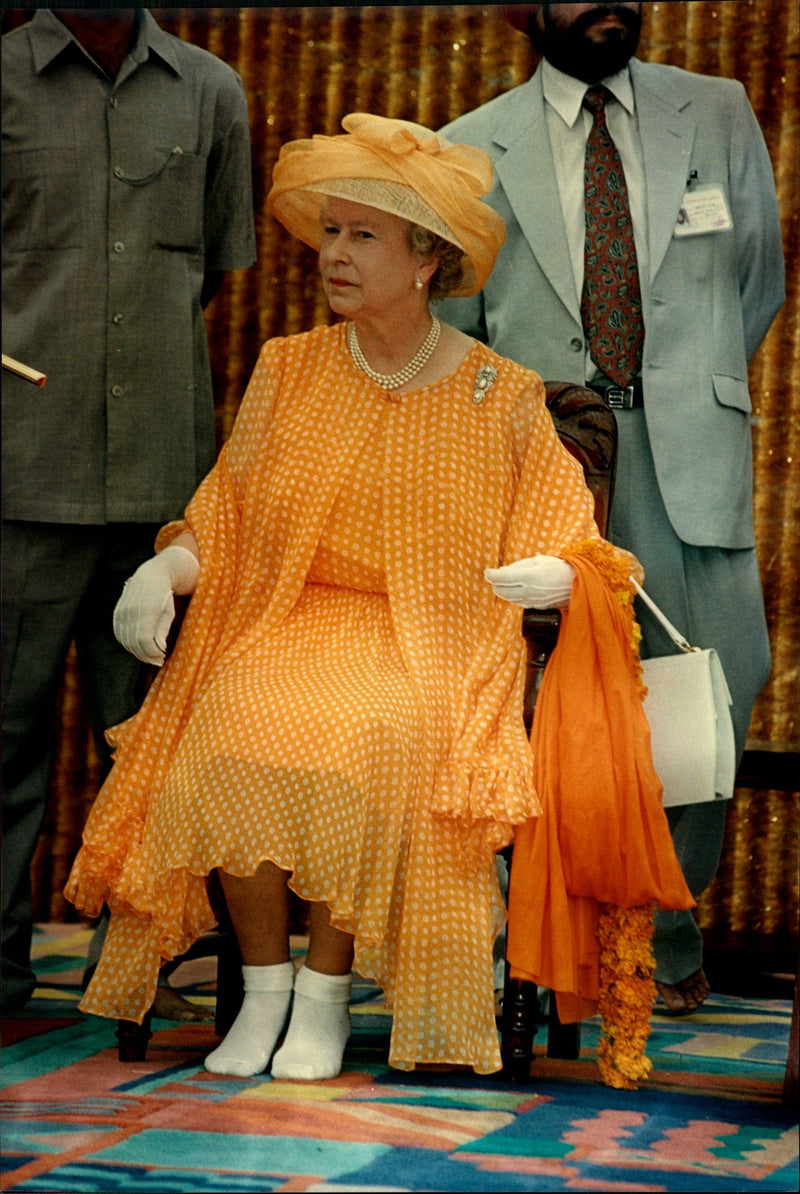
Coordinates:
[568,126]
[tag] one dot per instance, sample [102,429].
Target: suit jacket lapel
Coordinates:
[527,175]
[667,131]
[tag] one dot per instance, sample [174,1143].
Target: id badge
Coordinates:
[703,210]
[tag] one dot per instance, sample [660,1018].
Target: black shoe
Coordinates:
[16,993]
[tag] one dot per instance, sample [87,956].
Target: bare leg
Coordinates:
[259,909]
[330,951]
[320,1024]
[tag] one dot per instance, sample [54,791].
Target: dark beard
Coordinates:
[571,51]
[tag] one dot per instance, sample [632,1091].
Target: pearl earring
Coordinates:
[418,283]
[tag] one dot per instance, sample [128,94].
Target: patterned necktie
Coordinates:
[611,303]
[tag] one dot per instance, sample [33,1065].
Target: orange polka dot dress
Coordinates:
[345,697]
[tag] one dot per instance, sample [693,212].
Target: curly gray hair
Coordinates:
[450,271]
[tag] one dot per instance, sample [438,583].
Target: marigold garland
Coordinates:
[626,994]
[617,567]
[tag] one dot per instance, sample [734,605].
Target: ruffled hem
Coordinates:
[486,803]
[176,905]
[176,902]
[482,1068]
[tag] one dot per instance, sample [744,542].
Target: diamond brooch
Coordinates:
[484,380]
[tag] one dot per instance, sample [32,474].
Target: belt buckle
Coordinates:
[620,397]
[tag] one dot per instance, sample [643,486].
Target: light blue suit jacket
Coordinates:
[711,297]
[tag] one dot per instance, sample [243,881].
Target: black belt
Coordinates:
[620,397]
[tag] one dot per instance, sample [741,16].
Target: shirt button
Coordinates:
[116,391]
[119,246]
[118,171]
[112,101]
[576,344]
[117,317]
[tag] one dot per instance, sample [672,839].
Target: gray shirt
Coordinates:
[118,197]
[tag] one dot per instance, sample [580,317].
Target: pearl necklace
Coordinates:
[393,381]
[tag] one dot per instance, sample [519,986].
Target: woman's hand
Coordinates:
[541,582]
[146,609]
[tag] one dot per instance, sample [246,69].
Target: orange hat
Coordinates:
[399,167]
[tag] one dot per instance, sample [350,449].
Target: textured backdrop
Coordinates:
[304,67]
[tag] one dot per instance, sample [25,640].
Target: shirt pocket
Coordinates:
[170,182]
[42,200]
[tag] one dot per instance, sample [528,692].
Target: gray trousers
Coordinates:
[59,583]
[714,597]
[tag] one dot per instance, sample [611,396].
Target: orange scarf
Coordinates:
[602,837]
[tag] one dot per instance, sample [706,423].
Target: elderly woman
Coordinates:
[342,712]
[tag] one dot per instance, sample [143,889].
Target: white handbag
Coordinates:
[688,708]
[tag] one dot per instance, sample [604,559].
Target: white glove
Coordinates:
[541,582]
[146,610]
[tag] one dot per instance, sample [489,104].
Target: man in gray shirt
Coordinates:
[126,194]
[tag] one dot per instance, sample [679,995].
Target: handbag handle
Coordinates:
[680,642]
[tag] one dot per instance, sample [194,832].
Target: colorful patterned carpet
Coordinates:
[74,1118]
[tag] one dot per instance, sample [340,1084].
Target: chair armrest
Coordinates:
[540,631]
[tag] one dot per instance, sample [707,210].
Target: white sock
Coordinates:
[248,1046]
[319,1027]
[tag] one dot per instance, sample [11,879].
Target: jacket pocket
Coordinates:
[732,391]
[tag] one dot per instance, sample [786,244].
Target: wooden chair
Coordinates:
[587,428]
[133,1039]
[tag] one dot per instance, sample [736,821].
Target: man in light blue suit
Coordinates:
[707,239]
